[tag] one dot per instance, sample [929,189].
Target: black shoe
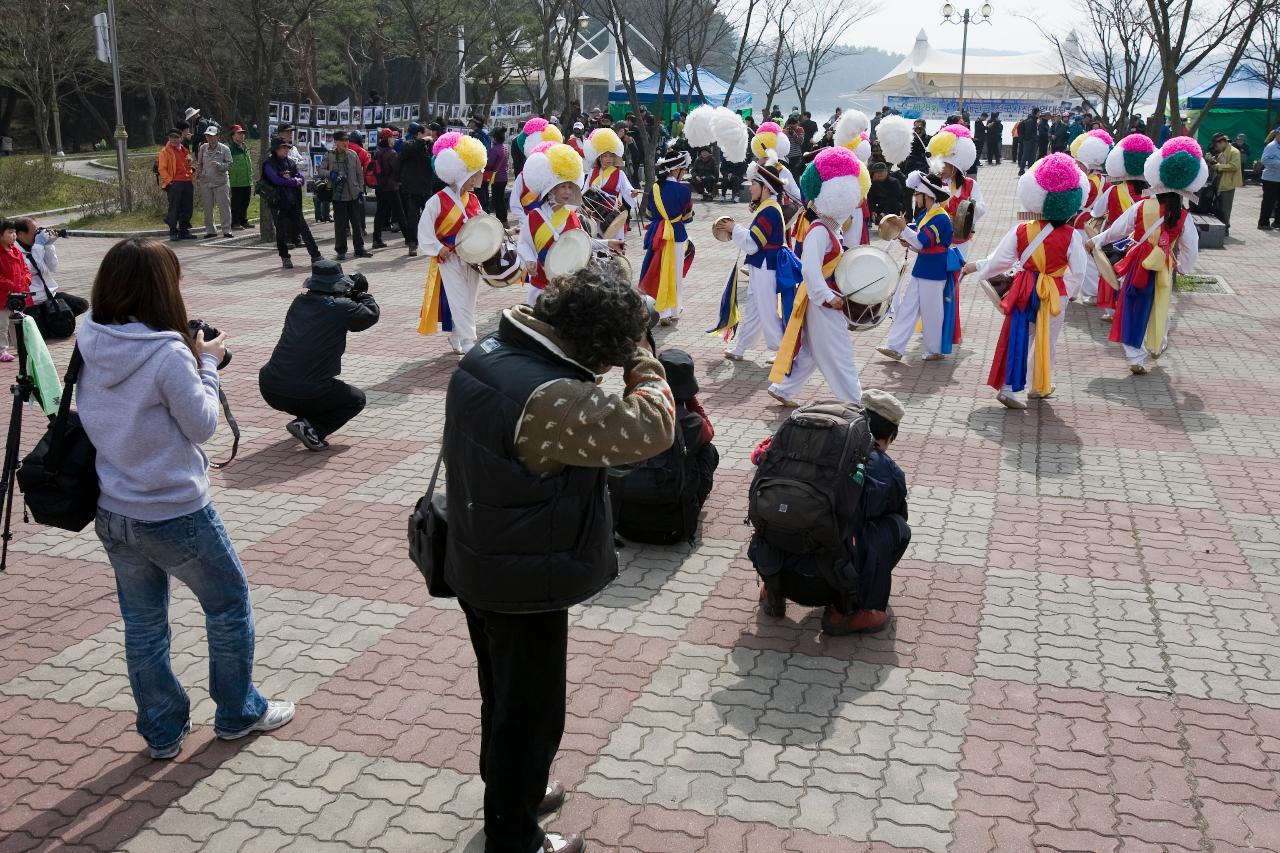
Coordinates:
[186,235]
[341,256]
[772,601]
[363,254]
[1264,227]
[306,433]
[174,236]
[211,236]
[286,263]
[378,244]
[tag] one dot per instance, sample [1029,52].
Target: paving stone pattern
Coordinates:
[1083,654]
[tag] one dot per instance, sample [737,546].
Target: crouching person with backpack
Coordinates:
[658,501]
[829,508]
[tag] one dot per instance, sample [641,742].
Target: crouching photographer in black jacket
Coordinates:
[301,377]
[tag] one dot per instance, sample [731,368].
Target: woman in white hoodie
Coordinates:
[148,397]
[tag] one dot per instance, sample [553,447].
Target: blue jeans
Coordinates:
[196,550]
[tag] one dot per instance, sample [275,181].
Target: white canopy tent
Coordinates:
[931,73]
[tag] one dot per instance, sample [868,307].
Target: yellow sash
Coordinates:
[547,231]
[1050,306]
[795,324]
[1160,263]
[667,271]
[429,313]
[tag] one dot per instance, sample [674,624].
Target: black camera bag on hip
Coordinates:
[54,317]
[429,534]
[59,478]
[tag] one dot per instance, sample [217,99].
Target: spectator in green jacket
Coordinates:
[241,175]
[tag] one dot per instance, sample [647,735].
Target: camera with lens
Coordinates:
[359,284]
[210,333]
[17,301]
[56,232]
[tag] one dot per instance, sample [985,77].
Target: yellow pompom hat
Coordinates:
[553,165]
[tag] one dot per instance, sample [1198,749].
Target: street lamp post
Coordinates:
[949,16]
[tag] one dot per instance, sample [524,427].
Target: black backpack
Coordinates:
[655,498]
[59,478]
[806,496]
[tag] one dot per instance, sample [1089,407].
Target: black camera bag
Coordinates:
[429,534]
[59,478]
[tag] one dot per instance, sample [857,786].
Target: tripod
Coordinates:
[22,390]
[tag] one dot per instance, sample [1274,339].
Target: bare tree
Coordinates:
[657,25]
[41,49]
[774,54]
[1263,57]
[1185,37]
[1112,49]
[815,42]
[746,27]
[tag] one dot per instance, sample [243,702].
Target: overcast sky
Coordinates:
[894,28]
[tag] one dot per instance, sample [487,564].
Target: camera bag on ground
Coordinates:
[806,496]
[429,534]
[654,499]
[59,480]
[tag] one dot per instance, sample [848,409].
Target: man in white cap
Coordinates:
[213,164]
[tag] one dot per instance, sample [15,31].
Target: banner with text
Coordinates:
[939,108]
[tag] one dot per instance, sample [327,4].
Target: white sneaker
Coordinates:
[732,356]
[889,353]
[1009,401]
[785,401]
[276,715]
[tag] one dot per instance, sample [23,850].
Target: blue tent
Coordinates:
[1246,90]
[713,88]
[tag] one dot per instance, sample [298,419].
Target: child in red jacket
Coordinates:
[14,278]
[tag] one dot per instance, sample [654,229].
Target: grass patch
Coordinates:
[1197,284]
[148,219]
[30,184]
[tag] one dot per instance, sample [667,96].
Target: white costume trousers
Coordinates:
[921,299]
[758,312]
[461,285]
[827,346]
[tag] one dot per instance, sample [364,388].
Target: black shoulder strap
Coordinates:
[58,431]
[431,487]
[35,266]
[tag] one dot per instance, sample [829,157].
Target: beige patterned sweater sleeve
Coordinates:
[569,422]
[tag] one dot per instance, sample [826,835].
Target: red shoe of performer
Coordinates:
[838,624]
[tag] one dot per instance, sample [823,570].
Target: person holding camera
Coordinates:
[15,280]
[345,174]
[148,398]
[36,245]
[529,437]
[301,377]
[286,202]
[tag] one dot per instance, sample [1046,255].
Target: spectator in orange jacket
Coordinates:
[174,166]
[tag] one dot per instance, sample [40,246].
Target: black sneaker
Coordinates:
[341,256]
[379,245]
[306,433]
[363,254]
[174,236]
[286,263]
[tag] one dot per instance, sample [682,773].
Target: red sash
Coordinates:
[952,204]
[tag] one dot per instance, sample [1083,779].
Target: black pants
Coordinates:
[994,152]
[521,663]
[240,197]
[327,412]
[1225,201]
[181,197]
[498,198]
[705,184]
[347,217]
[412,204]
[291,227]
[482,193]
[1270,213]
[880,545]
[388,211]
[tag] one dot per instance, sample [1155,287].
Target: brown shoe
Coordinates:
[556,843]
[838,624]
[553,799]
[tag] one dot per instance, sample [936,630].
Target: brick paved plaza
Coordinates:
[1083,653]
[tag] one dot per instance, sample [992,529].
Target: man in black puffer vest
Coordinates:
[529,436]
